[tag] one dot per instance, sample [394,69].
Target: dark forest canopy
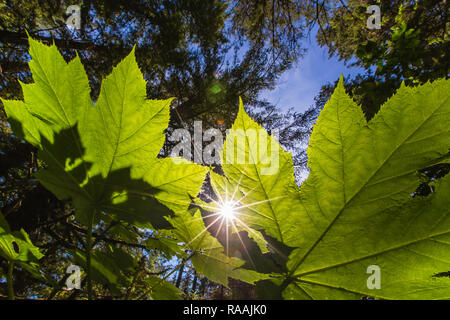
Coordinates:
[193,50]
[412,45]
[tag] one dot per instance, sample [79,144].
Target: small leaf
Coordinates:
[163,290]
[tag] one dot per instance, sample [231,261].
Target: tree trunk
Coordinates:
[194,283]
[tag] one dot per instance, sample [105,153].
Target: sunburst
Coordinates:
[228,210]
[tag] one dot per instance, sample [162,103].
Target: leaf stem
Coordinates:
[88,255]
[10,281]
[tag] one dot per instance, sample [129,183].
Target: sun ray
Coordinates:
[259,202]
[206,216]
[226,240]
[248,229]
[220,227]
[243,244]
[228,207]
[203,231]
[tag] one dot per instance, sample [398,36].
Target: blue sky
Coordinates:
[298,86]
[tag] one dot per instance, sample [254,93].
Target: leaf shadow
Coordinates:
[66,174]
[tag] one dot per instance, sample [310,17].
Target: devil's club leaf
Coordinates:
[410,245]
[261,180]
[101,155]
[357,211]
[356,207]
[163,290]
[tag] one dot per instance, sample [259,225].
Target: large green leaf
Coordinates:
[109,268]
[410,245]
[362,177]
[356,208]
[103,154]
[265,194]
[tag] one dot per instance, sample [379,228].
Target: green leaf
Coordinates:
[362,177]
[107,268]
[162,289]
[103,154]
[226,191]
[356,208]
[17,247]
[208,256]
[410,245]
[166,244]
[262,187]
